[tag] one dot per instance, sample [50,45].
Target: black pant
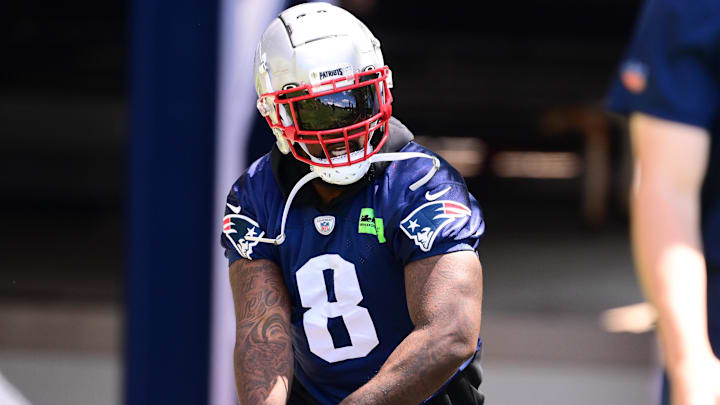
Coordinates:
[463,389]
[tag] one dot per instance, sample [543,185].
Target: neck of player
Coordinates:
[326,192]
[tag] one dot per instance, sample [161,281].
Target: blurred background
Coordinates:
[510,92]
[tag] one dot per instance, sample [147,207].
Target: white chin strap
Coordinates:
[343,175]
[380,157]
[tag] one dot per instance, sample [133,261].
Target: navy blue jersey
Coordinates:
[672,71]
[344,266]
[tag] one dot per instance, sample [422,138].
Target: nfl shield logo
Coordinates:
[325,224]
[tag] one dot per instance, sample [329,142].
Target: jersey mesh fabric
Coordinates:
[348,303]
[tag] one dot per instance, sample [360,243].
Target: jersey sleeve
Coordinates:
[244,217]
[671,67]
[442,218]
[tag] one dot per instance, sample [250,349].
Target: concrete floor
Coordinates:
[63,378]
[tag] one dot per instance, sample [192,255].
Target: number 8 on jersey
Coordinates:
[314,295]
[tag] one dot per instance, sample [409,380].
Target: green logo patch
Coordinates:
[367,221]
[371,225]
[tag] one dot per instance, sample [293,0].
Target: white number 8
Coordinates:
[314,295]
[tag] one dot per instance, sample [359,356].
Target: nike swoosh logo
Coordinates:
[233,208]
[432,197]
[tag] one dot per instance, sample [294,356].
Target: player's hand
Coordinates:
[696,383]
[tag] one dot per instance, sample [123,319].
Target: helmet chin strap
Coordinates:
[380,157]
[395,156]
[281,238]
[342,175]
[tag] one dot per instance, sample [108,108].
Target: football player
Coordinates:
[669,84]
[352,249]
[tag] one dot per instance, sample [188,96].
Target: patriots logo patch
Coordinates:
[236,227]
[423,224]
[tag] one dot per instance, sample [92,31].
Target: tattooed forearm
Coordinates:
[263,349]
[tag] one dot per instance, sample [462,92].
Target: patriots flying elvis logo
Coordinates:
[426,221]
[236,227]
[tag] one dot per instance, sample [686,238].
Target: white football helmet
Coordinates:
[324,89]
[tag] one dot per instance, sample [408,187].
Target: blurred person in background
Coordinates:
[669,84]
[363,286]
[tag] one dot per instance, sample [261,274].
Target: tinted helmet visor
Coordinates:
[337,110]
[332,123]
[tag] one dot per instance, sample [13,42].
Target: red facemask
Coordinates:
[332,119]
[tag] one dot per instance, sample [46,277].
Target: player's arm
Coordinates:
[444,297]
[263,349]
[670,163]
